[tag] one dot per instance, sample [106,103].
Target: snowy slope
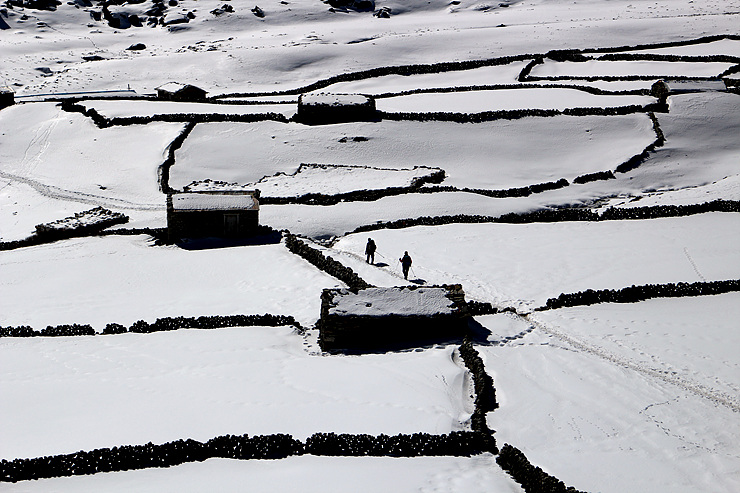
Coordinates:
[606,398]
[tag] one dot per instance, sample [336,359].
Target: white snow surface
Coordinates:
[125,279]
[505,99]
[56,163]
[619,68]
[525,264]
[639,399]
[498,74]
[722,47]
[325,179]
[333,99]
[378,302]
[485,155]
[126,109]
[478,474]
[61,395]
[599,425]
[638,331]
[193,201]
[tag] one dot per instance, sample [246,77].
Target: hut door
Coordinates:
[231,224]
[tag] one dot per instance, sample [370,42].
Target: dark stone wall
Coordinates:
[204,224]
[633,294]
[326,113]
[532,478]
[389,332]
[6,99]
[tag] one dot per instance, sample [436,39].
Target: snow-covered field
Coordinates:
[307,473]
[611,398]
[525,264]
[104,391]
[599,68]
[127,109]
[506,99]
[487,155]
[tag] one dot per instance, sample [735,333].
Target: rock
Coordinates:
[258,11]
[157,10]
[222,10]
[383,13]
[172,3]
[137,47]
[118,20]
[35,4]
[175,18]
[660,90]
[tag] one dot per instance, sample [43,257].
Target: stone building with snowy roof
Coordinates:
[334,108]
[175,91]
[391,317]
[218,214]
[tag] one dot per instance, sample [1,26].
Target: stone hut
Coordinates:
[174,91]
[219,214]
[391,317]
[7,97]
[335,108]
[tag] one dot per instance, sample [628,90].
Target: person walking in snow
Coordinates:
[370,251]
[405,264]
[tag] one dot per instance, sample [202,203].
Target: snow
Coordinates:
[60,163]
[341,218]
[314,475]
[498,74]
[485,155]
[701,144]
[213,202]
[331,99]
[594,402]
[128,109]
[125,279]
[725,189]
[619,68]
[325,179]
[172,86]
[639,332]
[599,426]
[728,47]
[505,99]
[378,302]
[61,395]
[525,264]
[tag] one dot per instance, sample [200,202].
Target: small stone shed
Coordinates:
[391,317]
[174,91]
[335,108]
[221,214]
[7,98]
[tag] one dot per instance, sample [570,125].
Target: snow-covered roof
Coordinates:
[375,302]
[331,99]
[174,87]
[214,202]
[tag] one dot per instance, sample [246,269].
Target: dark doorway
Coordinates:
[231,225]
